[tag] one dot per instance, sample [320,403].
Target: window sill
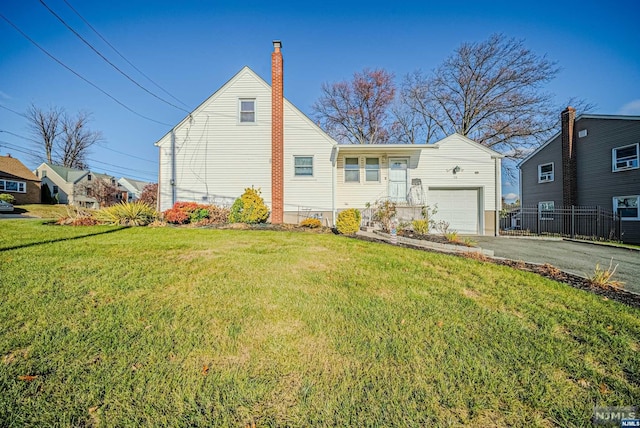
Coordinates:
[625,169]
[629,218]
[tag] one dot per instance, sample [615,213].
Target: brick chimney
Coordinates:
[277,135]
[569,173]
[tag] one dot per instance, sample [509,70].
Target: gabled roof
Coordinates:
[469,141]
[582,116]
[229,83]
[133,184]
[12,166]
[70,175]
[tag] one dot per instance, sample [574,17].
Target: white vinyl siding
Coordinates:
[13,186]
[627,207]
[545,173]
[625,158]
[217,160]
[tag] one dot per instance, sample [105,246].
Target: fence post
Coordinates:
[573,222]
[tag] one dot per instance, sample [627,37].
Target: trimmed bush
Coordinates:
[130,214]
[249,208]
[348,222]
[312,223]
[7,198]
[192,212]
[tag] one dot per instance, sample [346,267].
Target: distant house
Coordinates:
[18,181]
[247,134]
[72,186]
[593,161]
[131,189]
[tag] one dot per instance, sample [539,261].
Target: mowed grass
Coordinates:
[192,327]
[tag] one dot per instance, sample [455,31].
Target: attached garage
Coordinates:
[459,207]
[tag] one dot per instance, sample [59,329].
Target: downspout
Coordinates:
[334,172]
[173,167]
[498,194]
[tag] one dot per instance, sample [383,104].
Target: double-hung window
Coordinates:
[545,210]
[247,110]
[372,169]
[13,186]
[303,166]
[545,172]
[351,170]
[625,157]
[626,207]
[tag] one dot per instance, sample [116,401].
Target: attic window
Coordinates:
[545,173]
[247,110]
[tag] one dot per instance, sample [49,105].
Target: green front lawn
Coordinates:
[193,327]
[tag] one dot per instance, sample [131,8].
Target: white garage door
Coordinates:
[458,207]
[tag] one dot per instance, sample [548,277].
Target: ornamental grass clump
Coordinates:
[129,214]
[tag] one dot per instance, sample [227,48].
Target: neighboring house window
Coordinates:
[303,166]
[372,169]
[545,172]
[89,177]
[55,189]
[44,173]
[351,170]
[13,186]
[627,207]
[545,209]
[625,157]
[247,111]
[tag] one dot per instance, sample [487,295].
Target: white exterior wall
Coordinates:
[217,157]
[432,164]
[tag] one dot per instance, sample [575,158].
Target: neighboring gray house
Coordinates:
[132,189]
[73,186]
[594,161]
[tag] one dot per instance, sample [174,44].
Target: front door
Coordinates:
[398,180]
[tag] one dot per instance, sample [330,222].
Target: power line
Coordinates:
[13,111]
[107,60]
[131,156]
[77,74]
[122,56]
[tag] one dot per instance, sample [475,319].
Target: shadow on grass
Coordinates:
[50,241]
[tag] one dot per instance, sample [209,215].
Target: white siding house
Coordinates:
[212,155]
[225,145]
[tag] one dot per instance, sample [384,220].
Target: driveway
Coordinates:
[573,257]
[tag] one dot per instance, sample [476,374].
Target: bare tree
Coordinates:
[355,112]
[76,140]
[45,128]
[491,92]
[103,188]
[64,139]
[412,124]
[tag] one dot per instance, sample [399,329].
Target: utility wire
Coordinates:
[122,56]
[13,111]
[131,156]
[77,74]
[107,60]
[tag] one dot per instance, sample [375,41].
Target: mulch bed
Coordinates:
[546,270]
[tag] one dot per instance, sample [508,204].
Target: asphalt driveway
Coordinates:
[574,257]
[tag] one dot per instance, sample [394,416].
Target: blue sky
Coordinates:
[192,48]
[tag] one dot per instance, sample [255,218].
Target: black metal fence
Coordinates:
[592,223]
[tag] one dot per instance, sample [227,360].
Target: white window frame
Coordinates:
[631,161]
[546,177]
[615,207]
[545,208]
[366,170]
[240,111]
[295,172]
[357,170]
[21,186]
